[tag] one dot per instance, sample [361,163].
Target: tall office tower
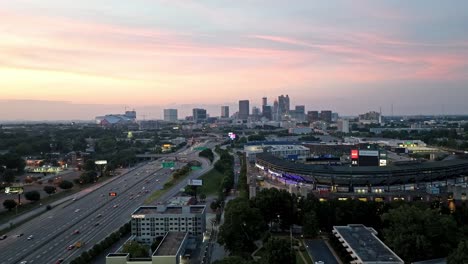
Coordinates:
[264,101]
[243,109]
[283,104]
[255,111]
[343,125]
[225,111]
[199,115]
[299,113]
[266,111]
[275,113]
[326,115]
[312,116]
[170,115]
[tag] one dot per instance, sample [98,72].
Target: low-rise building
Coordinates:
[364,246]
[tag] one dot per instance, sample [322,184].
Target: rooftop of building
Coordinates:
[365,245]
[170,244]
[169,209]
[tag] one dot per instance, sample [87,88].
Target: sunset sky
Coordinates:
[62,59]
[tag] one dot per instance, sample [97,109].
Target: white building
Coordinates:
[149,222]
[294,152]
[300,130]
[170,115]
[343,125]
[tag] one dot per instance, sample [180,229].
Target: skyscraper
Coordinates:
[299,113]
[266,111]
[326,115]
[264,101]
[275,114]
[283,104]
[225,111]
[243,109]
[199,115]
[312,116]
[170,115]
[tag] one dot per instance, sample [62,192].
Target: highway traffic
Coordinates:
[51,237]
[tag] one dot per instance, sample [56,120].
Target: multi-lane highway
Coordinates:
[94,215]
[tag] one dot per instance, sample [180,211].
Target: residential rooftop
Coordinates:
[164,209]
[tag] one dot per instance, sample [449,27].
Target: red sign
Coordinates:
[354,154]
[112,194]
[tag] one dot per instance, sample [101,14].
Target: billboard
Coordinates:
[354,154]
[100,162]
[14,189]
[195,182]
[372,153]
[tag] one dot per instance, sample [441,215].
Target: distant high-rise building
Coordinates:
[275,113]
[255,111]
[264,101]
[130,114]
[299,113]
[326,115]
[312,116]
[343,125]
[170,115]
[225,111]
[266,111]
[283,104]
[243,109]
[199,115]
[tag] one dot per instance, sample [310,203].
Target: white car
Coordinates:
[77,210]
[30,237]
[23,262]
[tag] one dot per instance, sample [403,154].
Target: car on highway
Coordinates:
[19,235]
[96,224]
[3,237]
[59,261]
[99,215]
[70,247]
[319,262]
[115,206]
[76,232]
[77,210]
[24,262]
[30,237]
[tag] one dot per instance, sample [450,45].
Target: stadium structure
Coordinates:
[376,181]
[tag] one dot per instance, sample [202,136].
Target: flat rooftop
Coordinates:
[170,244]
[171,209]
[365,245]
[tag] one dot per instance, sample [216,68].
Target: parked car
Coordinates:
[3,237]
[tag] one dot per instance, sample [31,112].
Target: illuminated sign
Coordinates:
[232,136]
[100,162]
[113,194]
[14,189]
[382,162]
[354,154]
[138,216]
[373,153]
[259,166]
[195,182]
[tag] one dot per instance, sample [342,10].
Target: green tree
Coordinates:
[49,189]
[89,165]
[9,204]
[8,176]
[275,205]
[135,249]
[460,254]
[310,224]
[207,153]
[279,251]
[66,185]
[242,226]
[417,233]
[33,196]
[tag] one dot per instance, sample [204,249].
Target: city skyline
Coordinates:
[61,62]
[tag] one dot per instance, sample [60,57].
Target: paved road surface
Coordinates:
[320,251]
[94,214]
